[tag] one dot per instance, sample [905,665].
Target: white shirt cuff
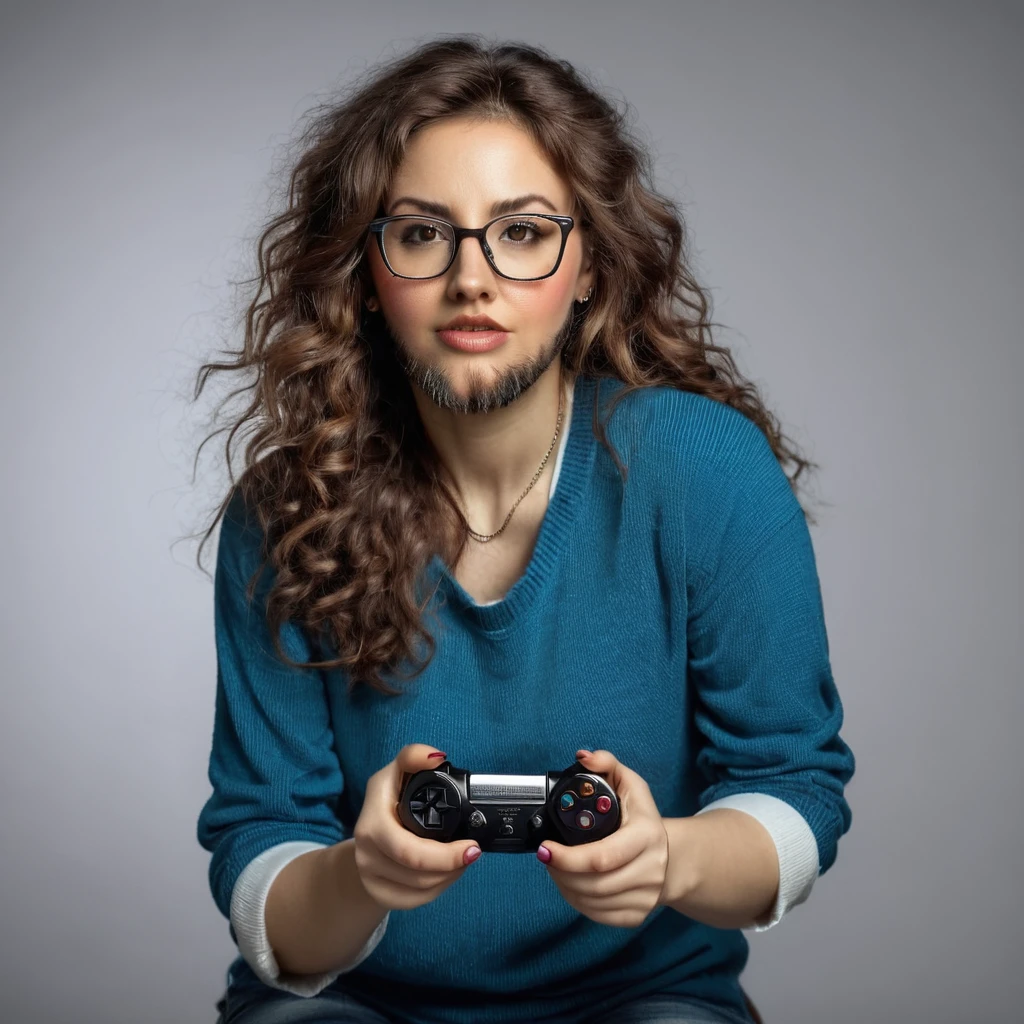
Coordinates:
[248,907]
[794,842]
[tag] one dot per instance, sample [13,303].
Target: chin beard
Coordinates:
[512,381]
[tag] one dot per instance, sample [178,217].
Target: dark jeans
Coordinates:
[338,1008]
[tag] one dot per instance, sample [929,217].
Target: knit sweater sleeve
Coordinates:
[765,701]
[275,774]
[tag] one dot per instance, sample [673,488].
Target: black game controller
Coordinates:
[509,813]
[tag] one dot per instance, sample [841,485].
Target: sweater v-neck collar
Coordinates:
[554,528]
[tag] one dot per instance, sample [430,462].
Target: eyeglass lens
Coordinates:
[521,246]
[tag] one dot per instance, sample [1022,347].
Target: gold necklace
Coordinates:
[483,538]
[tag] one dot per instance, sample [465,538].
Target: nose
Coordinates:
[470,274]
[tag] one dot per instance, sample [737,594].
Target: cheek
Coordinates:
[551,302]
[545,304]
[407,304]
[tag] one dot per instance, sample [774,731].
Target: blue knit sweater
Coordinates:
[675,620]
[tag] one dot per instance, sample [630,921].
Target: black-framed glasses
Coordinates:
[518,246]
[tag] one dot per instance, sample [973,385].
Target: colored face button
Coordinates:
[587,789]
[585,820]
[604,804]
[568,799]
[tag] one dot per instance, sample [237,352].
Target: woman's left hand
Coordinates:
[617,880]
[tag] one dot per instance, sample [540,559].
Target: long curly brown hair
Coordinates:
[339,473]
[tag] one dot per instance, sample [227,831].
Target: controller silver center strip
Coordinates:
[502,788]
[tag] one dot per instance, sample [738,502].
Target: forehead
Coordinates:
[469,164]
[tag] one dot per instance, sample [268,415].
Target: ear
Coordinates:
[365,282]
[585,281]
[586,276]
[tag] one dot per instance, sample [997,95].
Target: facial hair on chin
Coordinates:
[511,383]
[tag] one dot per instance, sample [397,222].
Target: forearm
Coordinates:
[723,868]
[318,915]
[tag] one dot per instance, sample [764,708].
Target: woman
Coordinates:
[515,509]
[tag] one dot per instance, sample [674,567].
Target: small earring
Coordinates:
[586,298]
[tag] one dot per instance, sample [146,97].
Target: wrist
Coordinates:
[723,868]
[682,876]
[346,873]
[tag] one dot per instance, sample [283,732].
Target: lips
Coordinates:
[469,322]
[473,340]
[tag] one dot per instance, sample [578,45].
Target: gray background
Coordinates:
[852,175]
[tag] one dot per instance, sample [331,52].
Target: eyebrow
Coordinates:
[499,208]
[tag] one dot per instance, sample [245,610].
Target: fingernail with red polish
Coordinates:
[544,854]
[471,855]
[438,753]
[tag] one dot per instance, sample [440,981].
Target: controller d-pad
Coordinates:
[428,804]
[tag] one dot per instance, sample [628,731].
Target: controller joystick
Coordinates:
[509,813]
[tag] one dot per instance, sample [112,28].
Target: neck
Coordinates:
[491,457]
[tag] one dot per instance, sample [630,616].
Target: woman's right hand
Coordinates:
[398,869]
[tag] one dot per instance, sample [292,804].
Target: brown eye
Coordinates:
[520,232]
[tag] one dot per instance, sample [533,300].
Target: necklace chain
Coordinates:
[482,537]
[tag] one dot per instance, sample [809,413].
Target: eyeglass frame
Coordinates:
[377,226]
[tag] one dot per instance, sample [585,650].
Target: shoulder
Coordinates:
[693,434]
[707,467]
[240,543]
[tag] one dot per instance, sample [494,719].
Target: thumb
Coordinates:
[417,757]
[602,762]
[630,787]
[412,758]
